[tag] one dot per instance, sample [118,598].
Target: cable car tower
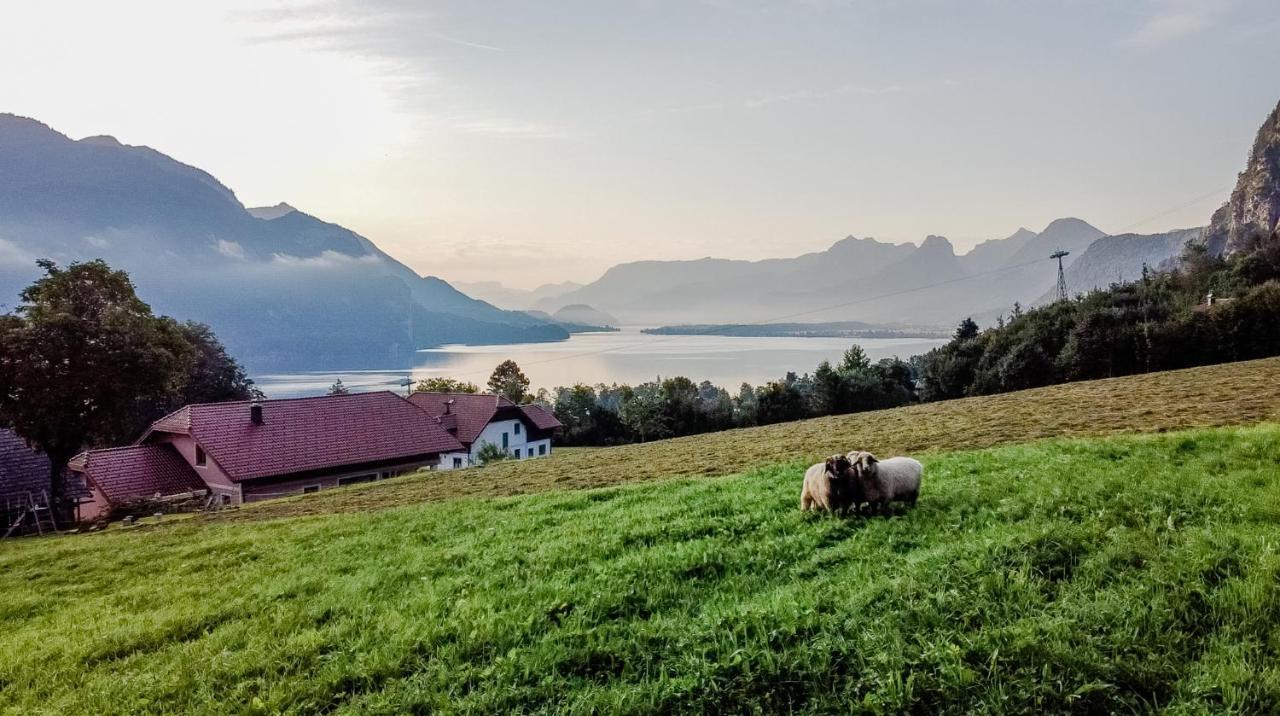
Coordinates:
[1062,277]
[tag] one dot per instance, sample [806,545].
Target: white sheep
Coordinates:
[885,481]
[828,486]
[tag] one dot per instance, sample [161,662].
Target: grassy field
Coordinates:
[1232,394]
[1067,575]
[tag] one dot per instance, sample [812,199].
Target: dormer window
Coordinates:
[201,458]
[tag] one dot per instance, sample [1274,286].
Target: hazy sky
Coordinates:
[540,141]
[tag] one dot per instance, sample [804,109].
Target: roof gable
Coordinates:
[137,472]
[302,434]
[471,412]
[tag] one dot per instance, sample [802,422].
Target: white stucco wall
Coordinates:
[517,443]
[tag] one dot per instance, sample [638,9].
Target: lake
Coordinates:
[627,356]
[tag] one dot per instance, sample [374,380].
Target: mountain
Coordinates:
[582,314]
[1068,234]
[1253,211]
[283,289]
[994,253]
[711,289]
[855,279]
[1121,258]
[516,299]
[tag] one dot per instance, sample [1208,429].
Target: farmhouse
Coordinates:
[245,451]
[523,431]
[117,477]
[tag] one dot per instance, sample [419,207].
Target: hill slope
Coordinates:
[1229,394]
[284,290]
[1067,576]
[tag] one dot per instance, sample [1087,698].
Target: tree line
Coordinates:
[1163,321]
[671,407]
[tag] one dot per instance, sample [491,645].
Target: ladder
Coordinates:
[39,512]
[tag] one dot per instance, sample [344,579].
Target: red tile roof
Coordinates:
[472,411]
[302,434]
[541,417]
[136,472]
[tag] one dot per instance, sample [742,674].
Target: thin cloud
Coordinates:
[327,259]
[230,249]
[467,43]
[511,128]
[12,254]
[1175,21]
[813,95]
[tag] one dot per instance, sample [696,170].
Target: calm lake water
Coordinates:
[627,356]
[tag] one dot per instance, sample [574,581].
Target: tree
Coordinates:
[780,402]
[338,388]
[855,360]
[213,376]
[445,385]
[489,452]
[968,329]
[80,358]
[643,412]
[509,380]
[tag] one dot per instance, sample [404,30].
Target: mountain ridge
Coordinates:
[290,291]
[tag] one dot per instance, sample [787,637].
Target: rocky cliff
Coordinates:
[1253,211]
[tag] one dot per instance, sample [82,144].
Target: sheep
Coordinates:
[885,481]
[829,486]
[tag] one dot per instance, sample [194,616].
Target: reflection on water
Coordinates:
[627,356]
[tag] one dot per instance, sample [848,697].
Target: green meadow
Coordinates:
[1128,573]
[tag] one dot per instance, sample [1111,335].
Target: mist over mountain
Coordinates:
[515,299]
[1121,258]
[861,279]
[283,289]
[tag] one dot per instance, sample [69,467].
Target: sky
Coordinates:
[533,142]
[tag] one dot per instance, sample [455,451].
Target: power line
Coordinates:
[854,302]
[775,319]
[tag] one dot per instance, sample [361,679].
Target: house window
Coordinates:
[517,453]
[457,462]
[310,488]
[201,459]
[517,428]
[355,479]
[542,449]
[226,499]
[504,441]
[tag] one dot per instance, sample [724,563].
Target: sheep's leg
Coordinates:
[806,501]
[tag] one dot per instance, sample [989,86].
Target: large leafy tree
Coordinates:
[213,375]
[509,380]
[445,385]
[81,358]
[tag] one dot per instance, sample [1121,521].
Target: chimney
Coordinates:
[448,406]
[255,412]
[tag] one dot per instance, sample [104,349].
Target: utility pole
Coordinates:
[1062,277]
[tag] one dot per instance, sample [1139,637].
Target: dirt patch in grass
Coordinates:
[1229,394]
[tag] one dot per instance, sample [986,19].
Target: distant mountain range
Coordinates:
[854,280]
[515,299]
[283,289]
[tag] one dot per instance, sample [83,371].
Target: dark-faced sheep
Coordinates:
[829,486]
[896,479]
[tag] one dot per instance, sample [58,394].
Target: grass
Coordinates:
[1069,575]
[1231,394]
